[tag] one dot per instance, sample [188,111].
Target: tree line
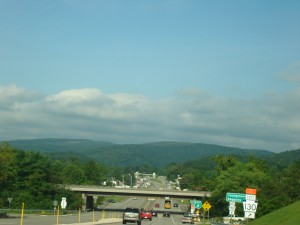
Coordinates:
[276,186]
[33,178]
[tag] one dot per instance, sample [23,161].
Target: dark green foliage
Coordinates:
[275,188]
[152,154]
[32,177]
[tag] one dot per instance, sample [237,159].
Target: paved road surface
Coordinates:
[86,220]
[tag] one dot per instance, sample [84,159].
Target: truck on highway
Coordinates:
[168,203]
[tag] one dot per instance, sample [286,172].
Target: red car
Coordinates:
[146,215]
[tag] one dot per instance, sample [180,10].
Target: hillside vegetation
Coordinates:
[157,154]
[289,215]
[32,177]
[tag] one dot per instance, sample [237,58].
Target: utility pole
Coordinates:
[123,176]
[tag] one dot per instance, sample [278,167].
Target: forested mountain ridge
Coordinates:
[283,158]
[156,154]
[32,177]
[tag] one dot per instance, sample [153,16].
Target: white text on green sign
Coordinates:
[235,197]
[197,204]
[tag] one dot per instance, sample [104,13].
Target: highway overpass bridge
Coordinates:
[89,192]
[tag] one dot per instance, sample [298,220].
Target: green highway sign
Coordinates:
[197,204]
[235,197]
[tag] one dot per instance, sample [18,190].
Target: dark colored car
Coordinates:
[166,214]
[175,205]
[154,213]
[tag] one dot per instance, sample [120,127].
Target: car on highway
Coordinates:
[132,215]
[187,218]
[166,214]
[154,213]
[146,215]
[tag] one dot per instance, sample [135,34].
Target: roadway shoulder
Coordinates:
[101,221]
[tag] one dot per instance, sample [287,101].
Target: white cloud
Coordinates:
[271,123]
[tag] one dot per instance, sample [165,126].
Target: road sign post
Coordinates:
[63,202]
[206,206]
[250,206]
[247,199]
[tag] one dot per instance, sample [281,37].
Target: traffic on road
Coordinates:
[132,210]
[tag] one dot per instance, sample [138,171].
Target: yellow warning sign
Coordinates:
[206,206]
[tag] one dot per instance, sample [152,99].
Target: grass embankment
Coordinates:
[289,215]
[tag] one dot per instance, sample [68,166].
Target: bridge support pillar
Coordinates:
[83,196]
[87,202]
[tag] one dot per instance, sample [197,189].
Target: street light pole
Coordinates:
[9,202]
[130,180]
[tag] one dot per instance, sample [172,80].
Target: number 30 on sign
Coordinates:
[250,206]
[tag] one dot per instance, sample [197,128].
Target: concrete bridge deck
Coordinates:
[94,190]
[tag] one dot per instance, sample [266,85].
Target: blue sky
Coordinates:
[220,72]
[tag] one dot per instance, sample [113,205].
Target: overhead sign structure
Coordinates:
[235,197]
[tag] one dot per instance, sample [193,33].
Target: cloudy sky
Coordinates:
[134,71]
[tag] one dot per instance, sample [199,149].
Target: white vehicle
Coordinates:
[228,219]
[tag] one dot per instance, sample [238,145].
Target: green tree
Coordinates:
[94,172]
[7,162]
[8,173]
[235,177]
[36,179]
[73,173]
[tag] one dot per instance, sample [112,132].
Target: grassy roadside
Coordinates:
[289,215]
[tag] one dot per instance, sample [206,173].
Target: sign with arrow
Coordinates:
[250,215]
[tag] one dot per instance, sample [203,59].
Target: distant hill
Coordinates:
[156,154]
[289,215]
[283,159]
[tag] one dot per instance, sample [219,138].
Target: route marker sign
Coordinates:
[251,191]
[63,203]
[250,197]
[231,212]
[235,197]
[250,206]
